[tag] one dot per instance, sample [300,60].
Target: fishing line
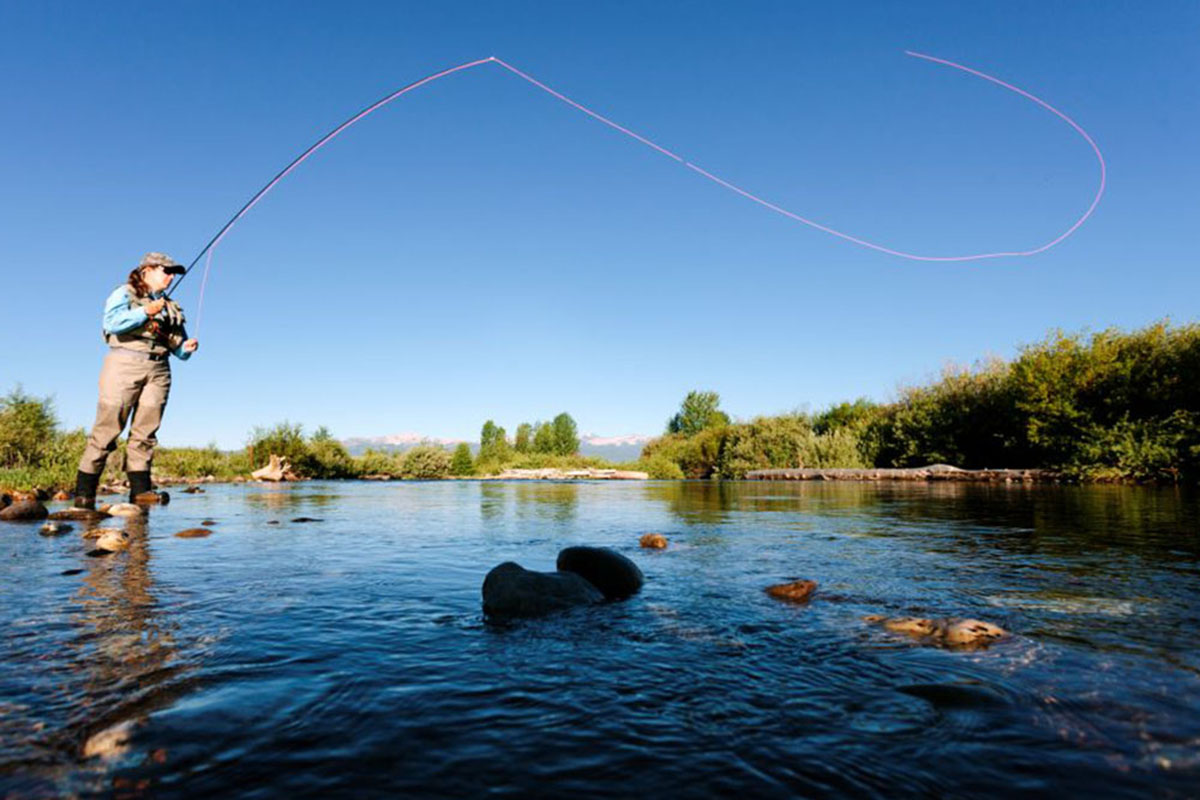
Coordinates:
[211,246]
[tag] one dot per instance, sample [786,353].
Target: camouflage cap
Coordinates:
[162,260]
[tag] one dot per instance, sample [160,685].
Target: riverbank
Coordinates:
[933,472]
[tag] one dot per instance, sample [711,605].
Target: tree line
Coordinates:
[1112,405]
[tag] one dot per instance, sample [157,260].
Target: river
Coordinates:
[349,655]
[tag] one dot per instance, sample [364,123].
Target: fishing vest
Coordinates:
[159,335]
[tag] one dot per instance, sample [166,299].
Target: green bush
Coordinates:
[659,468]
[376,462]
[425,462]
[27,429]
[461,463]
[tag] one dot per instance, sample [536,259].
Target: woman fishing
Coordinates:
[143,328]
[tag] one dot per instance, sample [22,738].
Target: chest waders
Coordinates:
[135,383]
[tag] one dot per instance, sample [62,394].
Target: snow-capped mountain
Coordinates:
[612,448]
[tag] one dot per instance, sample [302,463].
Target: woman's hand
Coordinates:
[152,309]
[190,346]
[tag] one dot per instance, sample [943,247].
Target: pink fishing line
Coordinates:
[697,169]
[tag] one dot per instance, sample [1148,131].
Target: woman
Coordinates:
[142,328]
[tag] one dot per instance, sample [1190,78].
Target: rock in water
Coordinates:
[96,533]
[609,571]
[79,514]
[54,528]
[972,633]
[61,496]
[111,541]
[193,490]
[511,590]
[653,541]
[123,510]
[152,498]
[23,510]
[194,533]
[958,633]
[794,592]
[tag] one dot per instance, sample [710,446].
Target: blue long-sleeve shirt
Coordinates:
[120,316]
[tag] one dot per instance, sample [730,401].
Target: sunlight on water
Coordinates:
[350,652]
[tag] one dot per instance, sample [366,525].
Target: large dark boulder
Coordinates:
[24,510]
[511,590]
[609,571]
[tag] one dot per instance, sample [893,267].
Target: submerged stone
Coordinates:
[946,632]
[123,510]
[79,514]
[794,592]
[194,533]
[511,590]
[112,541]
[653,541]
[24,510]
[606,569]
[54,528]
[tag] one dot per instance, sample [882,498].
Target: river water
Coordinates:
[349,655]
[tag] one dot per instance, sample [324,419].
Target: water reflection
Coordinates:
[553,500]
[353,648]
[492,498]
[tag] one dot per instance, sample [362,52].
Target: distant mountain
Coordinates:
[397,443]
[611,448]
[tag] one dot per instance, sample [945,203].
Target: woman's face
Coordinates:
[157,279]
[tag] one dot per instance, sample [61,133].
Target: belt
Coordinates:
[140,354]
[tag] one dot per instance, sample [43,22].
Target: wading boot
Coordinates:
[86,484]
[141,490]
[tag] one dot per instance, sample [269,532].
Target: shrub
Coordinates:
[425,462]
[460,463]
[375,462]
[660,468]
[27,426]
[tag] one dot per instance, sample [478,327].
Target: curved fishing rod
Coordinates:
[312,149]
[208,249]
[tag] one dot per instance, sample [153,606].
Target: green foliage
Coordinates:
[543,437]
[524,439]
[565,435]
[461,463]
[328,458]
[27,428]
[284,440]
[425,462]
[699,410]
[660,468]
[376,462]
[1112,405]
[493,443]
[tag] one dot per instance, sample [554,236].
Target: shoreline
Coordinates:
[933,472]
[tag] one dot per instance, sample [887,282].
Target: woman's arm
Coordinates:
[119,315]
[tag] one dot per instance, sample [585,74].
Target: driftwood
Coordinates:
[933,472]
[280,469]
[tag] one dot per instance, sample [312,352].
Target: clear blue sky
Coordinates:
[479,250]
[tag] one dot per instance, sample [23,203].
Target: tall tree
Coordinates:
[566,435]
[543,438]
[524,435]
[699,410]
[460,463]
